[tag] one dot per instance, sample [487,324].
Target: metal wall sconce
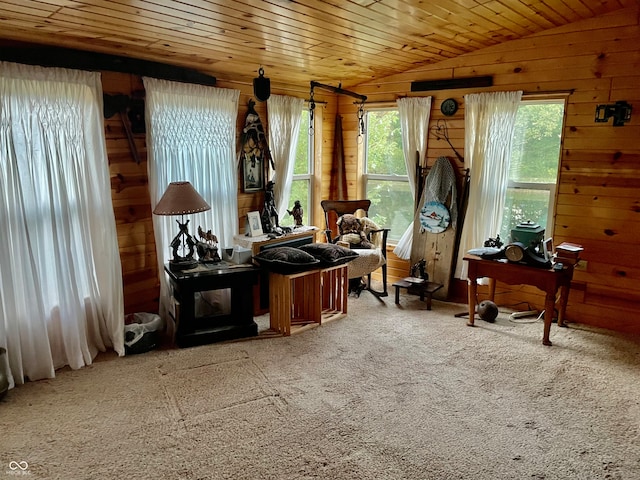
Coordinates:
[620,111]
[261,86]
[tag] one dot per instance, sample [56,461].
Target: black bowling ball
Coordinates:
[488,311]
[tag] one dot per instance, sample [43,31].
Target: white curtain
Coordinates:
[414,122]
[61,297]
[489,123]
[191,135]
[284,115]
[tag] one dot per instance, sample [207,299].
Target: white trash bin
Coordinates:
[143,334]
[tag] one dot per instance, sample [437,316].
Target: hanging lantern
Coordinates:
[261,86]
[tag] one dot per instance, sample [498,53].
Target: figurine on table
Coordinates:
[269,215]
[207,247]
[296,212]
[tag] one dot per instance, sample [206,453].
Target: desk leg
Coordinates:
[549,305]
[564,297]
[492,289]
[473,289]
[186,298]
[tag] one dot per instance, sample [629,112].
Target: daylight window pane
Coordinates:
[301,166]
[521,205]
[384,143]
[536,143]
[391,205]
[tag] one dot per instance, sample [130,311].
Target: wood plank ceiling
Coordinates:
[295,41]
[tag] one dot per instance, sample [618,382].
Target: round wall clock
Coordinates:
[449,107]
[514,252]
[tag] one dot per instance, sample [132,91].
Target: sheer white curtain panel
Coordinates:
[489,123]
[61,285]
[414,122]
[191,136]
[284,114]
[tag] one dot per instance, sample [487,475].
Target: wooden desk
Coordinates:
[547,280]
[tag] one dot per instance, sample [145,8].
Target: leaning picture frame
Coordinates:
[255,224]
[547,246]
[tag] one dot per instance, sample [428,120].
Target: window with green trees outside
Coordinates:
[385,174]
[533,170]
[302,174]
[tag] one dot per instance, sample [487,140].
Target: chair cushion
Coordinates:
[329,254]
[368,261]
[286,260]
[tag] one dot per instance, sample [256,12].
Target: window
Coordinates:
[302,174]
[386,182]
[533,169]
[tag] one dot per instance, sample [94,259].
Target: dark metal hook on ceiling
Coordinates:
[441,131]
[339,91]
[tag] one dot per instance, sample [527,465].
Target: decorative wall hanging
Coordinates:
[439,190]
[254,152]
[130,111]
[261,86]
[339,91]
[434,217]
[441,131]
[620,111]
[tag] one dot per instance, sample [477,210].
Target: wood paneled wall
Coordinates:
[598,199]
[131,204]
[598,204]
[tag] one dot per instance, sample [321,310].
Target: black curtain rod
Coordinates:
[338,90]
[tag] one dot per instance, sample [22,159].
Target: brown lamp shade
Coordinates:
[180,198]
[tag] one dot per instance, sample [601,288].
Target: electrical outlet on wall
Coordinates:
[581,266]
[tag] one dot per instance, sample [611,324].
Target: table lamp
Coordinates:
[181,198]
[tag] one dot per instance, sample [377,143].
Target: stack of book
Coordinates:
[568,253]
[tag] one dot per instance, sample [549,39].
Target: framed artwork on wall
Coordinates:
[252,173]
[254,152]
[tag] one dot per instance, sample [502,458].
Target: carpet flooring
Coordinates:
[389,392]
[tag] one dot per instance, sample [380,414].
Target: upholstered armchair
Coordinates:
[348,223]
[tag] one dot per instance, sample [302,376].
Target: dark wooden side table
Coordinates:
[424,289]
[236,322]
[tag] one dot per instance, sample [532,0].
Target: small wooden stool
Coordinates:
[294,300]
[424,289]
